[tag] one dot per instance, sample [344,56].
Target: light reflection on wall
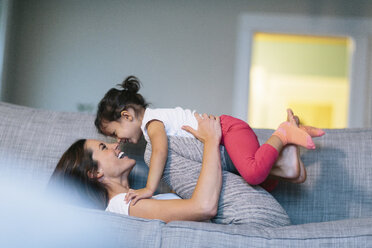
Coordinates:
[314,83]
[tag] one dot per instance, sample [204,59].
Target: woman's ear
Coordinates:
[98,175]
[127,115]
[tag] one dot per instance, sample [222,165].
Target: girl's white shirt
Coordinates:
[117,203]
[172,118]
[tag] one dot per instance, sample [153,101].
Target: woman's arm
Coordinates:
[204,200]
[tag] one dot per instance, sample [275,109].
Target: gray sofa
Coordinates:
[333,208]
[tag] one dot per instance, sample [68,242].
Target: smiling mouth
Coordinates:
[121,155]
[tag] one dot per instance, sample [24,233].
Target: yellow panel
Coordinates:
[314,114]
[271,37]
[318,99]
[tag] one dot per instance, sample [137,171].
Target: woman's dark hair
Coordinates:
[71,176]
[117,100]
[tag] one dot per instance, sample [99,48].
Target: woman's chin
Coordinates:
[130,161]
[131,167]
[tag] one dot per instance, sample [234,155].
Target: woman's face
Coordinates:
[106,156]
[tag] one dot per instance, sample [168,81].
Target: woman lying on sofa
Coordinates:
[103,175]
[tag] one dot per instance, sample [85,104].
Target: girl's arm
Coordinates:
[159,143]
[204,200]
[159,154]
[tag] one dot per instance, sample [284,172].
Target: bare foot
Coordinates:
[289,166]
[303,175]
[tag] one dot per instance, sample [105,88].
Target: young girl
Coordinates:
[124,114]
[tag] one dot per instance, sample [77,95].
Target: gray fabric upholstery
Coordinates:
[335,203]
[346,233]
[239,202]
[339,180]
[126,231]
[33,140]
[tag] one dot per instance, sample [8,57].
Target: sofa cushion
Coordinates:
[239,202]
[346,233]
[33,140]
[339,178]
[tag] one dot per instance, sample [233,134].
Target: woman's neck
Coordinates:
[116,187]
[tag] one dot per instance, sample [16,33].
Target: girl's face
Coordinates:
[106,156]
[127,128]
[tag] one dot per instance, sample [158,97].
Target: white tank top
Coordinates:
[172,118]
[118,205]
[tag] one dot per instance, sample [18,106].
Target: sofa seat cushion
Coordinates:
[345,233]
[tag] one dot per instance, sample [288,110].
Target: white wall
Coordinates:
[72,51]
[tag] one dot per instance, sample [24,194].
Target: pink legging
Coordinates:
[252,161]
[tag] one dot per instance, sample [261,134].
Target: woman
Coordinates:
[103,177]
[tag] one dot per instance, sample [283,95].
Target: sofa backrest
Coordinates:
[33,140]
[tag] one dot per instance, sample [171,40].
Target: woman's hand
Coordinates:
[136,195]
[209,128]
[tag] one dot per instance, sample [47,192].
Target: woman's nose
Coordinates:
[114,146]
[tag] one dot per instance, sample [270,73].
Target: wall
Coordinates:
[69,52]
[309,74]
[6,7]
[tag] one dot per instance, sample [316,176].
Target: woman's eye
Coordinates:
[102,146]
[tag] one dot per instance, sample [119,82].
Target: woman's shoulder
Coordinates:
[118,205]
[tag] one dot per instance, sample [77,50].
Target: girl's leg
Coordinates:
[255,163]
[289,166]
[252,161]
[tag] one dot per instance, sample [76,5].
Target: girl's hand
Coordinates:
[209,128]
[136,195]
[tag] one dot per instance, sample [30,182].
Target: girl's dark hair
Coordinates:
[117,100]
[71,176]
